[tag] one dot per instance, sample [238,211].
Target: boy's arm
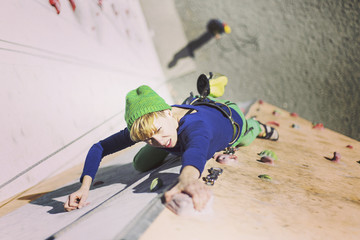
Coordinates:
[197,141]
[110,145]
[196,144]
[105,147]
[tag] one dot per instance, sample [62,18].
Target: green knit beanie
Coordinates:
[141,101]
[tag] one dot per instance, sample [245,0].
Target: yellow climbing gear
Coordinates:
[217,85]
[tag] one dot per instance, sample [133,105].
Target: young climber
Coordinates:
[217,27]
[214,29]
[190,130]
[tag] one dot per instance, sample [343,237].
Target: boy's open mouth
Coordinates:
[168,144]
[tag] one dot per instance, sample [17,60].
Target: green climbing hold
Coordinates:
[268,153]
[156,184]
[265,177]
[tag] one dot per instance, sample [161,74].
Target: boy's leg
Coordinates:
[149,158]
[254,130]
[251,127]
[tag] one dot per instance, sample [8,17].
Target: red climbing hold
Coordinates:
[319,126]
[336,157]
[72,4]
[294,114]
[350,146]
[273,123]
[100,3]
[261,101]
[56,5]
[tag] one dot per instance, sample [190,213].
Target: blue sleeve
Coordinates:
[110,145]
[197,141]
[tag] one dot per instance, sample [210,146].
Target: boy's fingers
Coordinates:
[169,194]
[196,202]
[201,197]
[199,200]
[82,202]
[67,207]
[73,201]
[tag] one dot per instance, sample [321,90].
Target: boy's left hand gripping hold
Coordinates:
[77,199]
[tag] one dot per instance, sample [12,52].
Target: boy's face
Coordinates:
[166,134]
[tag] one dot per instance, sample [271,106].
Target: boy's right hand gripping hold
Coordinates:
[78,199]
[189,184]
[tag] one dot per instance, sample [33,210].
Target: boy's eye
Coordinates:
[158,130]
[150,140]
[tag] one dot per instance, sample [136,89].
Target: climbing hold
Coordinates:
[226,159]
[295,126]
[265,177]
[56,4]
[156,184]
[213,175]
[336,157]
[230,150]
[276,113]
[267,159]
[182,205]
[114,9]
[273,123]
[294,114]
[261,102]
[100,3]
[268,153]
[72,4]
[268,156]
[319,126]
[350,146]
[218,171]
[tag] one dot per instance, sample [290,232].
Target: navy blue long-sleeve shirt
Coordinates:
[200,135]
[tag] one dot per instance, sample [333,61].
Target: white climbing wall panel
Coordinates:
[64,78]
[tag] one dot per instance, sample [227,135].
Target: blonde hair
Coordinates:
[143,128]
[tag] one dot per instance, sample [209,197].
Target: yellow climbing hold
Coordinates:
[268,153]
[265,177]
[156,184]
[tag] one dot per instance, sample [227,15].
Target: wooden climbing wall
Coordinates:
[308,197]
